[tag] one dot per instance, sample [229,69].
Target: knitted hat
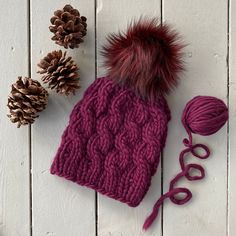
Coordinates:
[116,133]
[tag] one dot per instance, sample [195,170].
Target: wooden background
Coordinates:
[33,202]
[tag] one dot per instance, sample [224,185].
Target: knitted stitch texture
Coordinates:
[113,141]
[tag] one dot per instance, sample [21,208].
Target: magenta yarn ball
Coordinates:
[204,115]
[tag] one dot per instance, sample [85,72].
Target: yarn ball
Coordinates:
[147,58]
[204,115]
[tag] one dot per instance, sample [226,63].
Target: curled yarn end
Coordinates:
[150,219]
[169,195]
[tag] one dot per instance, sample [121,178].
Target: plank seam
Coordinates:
[95,53]
[162,156]
[228,70]
[29,130]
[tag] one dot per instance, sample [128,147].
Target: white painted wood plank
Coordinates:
[203,25]
[60,207]
[232,123]
[115,218]
[14,158]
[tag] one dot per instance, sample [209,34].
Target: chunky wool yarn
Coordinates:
[203,115]
[113,142]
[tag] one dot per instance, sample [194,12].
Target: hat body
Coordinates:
[113,141]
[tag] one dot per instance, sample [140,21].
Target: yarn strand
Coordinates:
[185,172]
[203,115]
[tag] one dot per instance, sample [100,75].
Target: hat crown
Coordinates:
[113,141]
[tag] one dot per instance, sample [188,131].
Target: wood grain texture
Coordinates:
[60,207]
[115,218]
[232,123]
[14,158]
[203,25]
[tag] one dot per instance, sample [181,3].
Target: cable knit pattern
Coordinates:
[113,142]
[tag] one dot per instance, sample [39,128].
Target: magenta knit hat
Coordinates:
[113,142]
[118,130]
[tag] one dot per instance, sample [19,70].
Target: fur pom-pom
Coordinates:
[147,58]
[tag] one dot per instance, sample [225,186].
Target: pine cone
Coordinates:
[68,27]
[27,98]
[60,72]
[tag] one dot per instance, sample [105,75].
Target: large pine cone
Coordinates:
[26,99]
[60,72]
[68,27]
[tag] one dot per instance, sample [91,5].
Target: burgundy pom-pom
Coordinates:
[147,58]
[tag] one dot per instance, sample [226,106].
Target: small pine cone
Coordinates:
[26,99]
[68,27]
[60,72]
